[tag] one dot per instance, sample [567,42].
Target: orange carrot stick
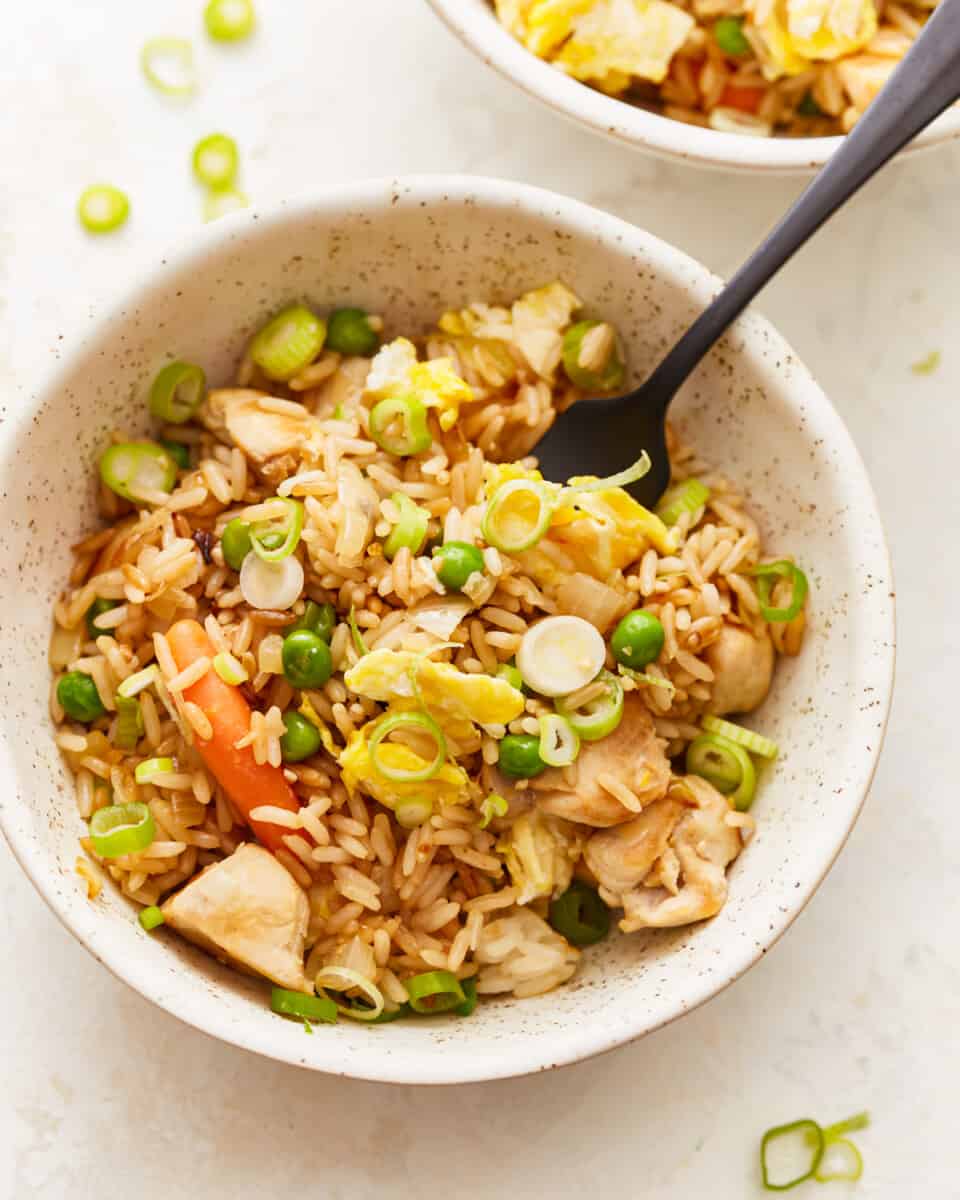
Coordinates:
[746,99]
[248,783]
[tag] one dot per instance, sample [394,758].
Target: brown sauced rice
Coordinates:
[797,68]
[386,900]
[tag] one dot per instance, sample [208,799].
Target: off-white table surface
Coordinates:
[100,1093]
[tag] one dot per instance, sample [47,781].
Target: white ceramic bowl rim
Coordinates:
[474,24]
[373,1061]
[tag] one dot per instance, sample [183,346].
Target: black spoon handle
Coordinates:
[926,82]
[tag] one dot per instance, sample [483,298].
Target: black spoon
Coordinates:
[605,435]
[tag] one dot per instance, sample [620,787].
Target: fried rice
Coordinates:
[382,876]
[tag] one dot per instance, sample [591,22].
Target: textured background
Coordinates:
[856,1007]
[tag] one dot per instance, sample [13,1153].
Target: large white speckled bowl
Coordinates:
[407,249]
[475,24]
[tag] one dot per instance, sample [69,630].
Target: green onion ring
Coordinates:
[130,468]
[756,743]
[622,479]
[417,720]
[517,539]
[682,498]
[102,208]
[345,979]
[767,574]
[150,917]
[814,1135]
[600,717]
[435,992]
[144,771]
[177,392]
[580,915]
[493,806]
[215,160]
[725,765]
[307,1008]
[559,743]
[412,412]
[856,1159]
[176,53]
[229,20]
[223,201]
[122,829]
[265,535]
[129,727]
[414,812]
[289,341]
[410,529]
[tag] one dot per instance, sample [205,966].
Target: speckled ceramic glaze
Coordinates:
[408,249]
[475,23]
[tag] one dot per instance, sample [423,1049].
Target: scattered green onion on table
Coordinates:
[230,20]
[810,1143]
[216,160]
[167,64]
[102,208]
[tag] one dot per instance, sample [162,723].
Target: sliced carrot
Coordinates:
[248,783]
[746,99]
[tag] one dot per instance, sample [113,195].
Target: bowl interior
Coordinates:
[476,24]
[408,251]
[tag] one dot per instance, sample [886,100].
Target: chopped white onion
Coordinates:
[558,655]
[274,585]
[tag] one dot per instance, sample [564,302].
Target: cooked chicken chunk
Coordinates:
[630,761]
[237,416]
[249,911]
[742,666]
[622,857]
[703,842]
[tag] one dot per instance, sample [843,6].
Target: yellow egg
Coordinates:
[450,785]
[396,372]
[617,39]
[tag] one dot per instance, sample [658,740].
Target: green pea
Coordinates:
[96,608]
[605,376]
[520,756]
[307,661]
[320,619]
[235,543]
[178,451]
[808,107]
[458,561]
[349,332]
[79,697]
[728,34]
[302,738]
[637,640]
[511,674]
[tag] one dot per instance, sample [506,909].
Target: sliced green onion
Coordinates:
[277,539]
[177,392]
[307,1008]
[276,585]
[411,813]
[812,1133]
[756,743]
[102,208]
[466,1009]
[222,202]
[133,469]
[122,829]
[511,673]
[725,765]
[435,992]
[518,514]
[833,1137]
[129,728]
[229,669]
[413,437]
[288,342]
[580,915]
[684,497]
[493,806]
[134,684]
[649,678]
[410,529]
[167,62]
[600,717]
[150,917]
[729,36]
[145,771]
[407,720]
[767,574]
[229,20]
[215,160]
[559,743]
[622,478]
[345,979]
[358,643]
[605,370]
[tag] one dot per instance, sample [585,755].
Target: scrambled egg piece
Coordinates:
[539,318]
[542,25]
[395,372]
[616,39]
[797,33]
[540,853]
[445,691]
[450,785]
